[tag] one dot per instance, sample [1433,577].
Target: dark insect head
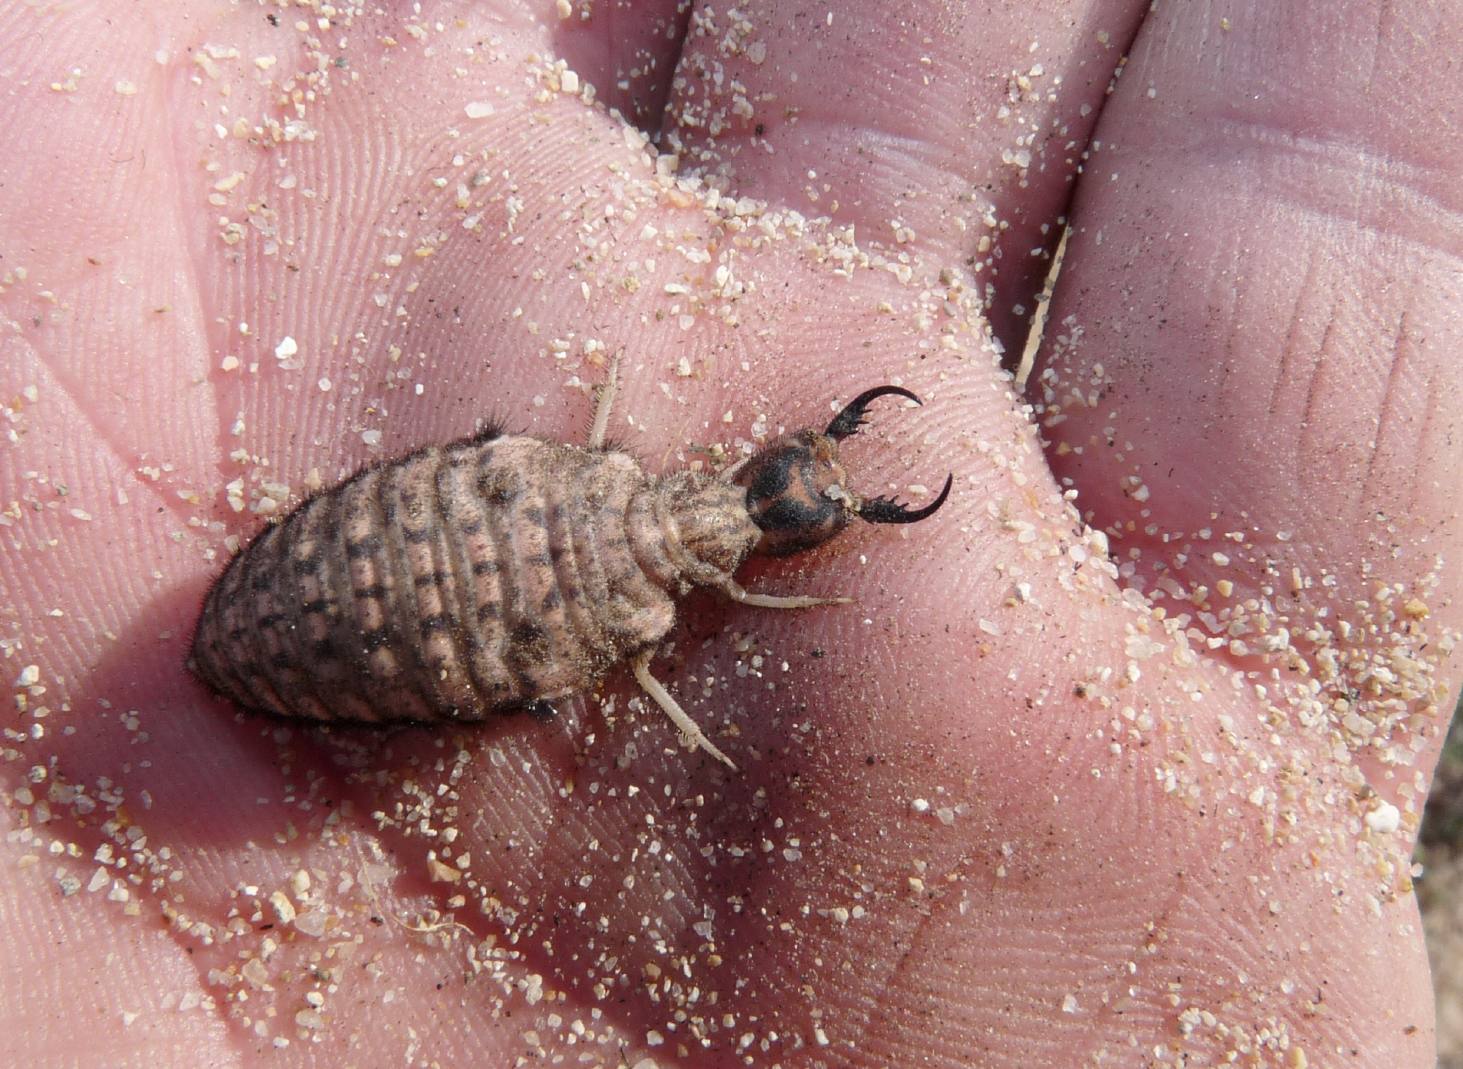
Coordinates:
[796,488]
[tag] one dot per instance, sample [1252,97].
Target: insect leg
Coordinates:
[603,405]
[672,709]
[730,474]
[733,590]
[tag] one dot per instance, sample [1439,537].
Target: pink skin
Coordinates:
[1261,260]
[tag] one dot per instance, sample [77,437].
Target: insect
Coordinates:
[502,572]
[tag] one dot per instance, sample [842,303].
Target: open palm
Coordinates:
[1115,761]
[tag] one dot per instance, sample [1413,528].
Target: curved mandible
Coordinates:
[852,416]
[888,510]
[882,509]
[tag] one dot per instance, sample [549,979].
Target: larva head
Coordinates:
[796,489]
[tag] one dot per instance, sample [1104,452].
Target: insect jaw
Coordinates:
[889,510]
[797,491]
[878,509]
[852,418]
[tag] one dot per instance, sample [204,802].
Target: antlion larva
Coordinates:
[501,572]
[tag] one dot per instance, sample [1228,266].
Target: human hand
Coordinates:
[1006,809]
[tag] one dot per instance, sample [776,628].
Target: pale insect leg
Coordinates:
[604,404]
[673,710]
[730,473]
[733,590]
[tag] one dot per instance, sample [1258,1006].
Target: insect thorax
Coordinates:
[704,531]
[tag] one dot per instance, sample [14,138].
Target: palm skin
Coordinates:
[1004,810]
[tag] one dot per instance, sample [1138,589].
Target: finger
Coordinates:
[1250,372]
[950,130]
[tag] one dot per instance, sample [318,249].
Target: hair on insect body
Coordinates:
[502,572]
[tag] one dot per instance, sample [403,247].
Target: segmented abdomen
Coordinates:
[453,583]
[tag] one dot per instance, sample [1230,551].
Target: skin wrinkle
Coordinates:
[214,339]
[1295,166]
[1289,343]
[97,430]
[1395,368]
[1432,396]
[1385,16]
[1313,416]
[1105,1007]
[897,969]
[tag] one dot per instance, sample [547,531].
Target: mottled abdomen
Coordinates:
[456,582]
